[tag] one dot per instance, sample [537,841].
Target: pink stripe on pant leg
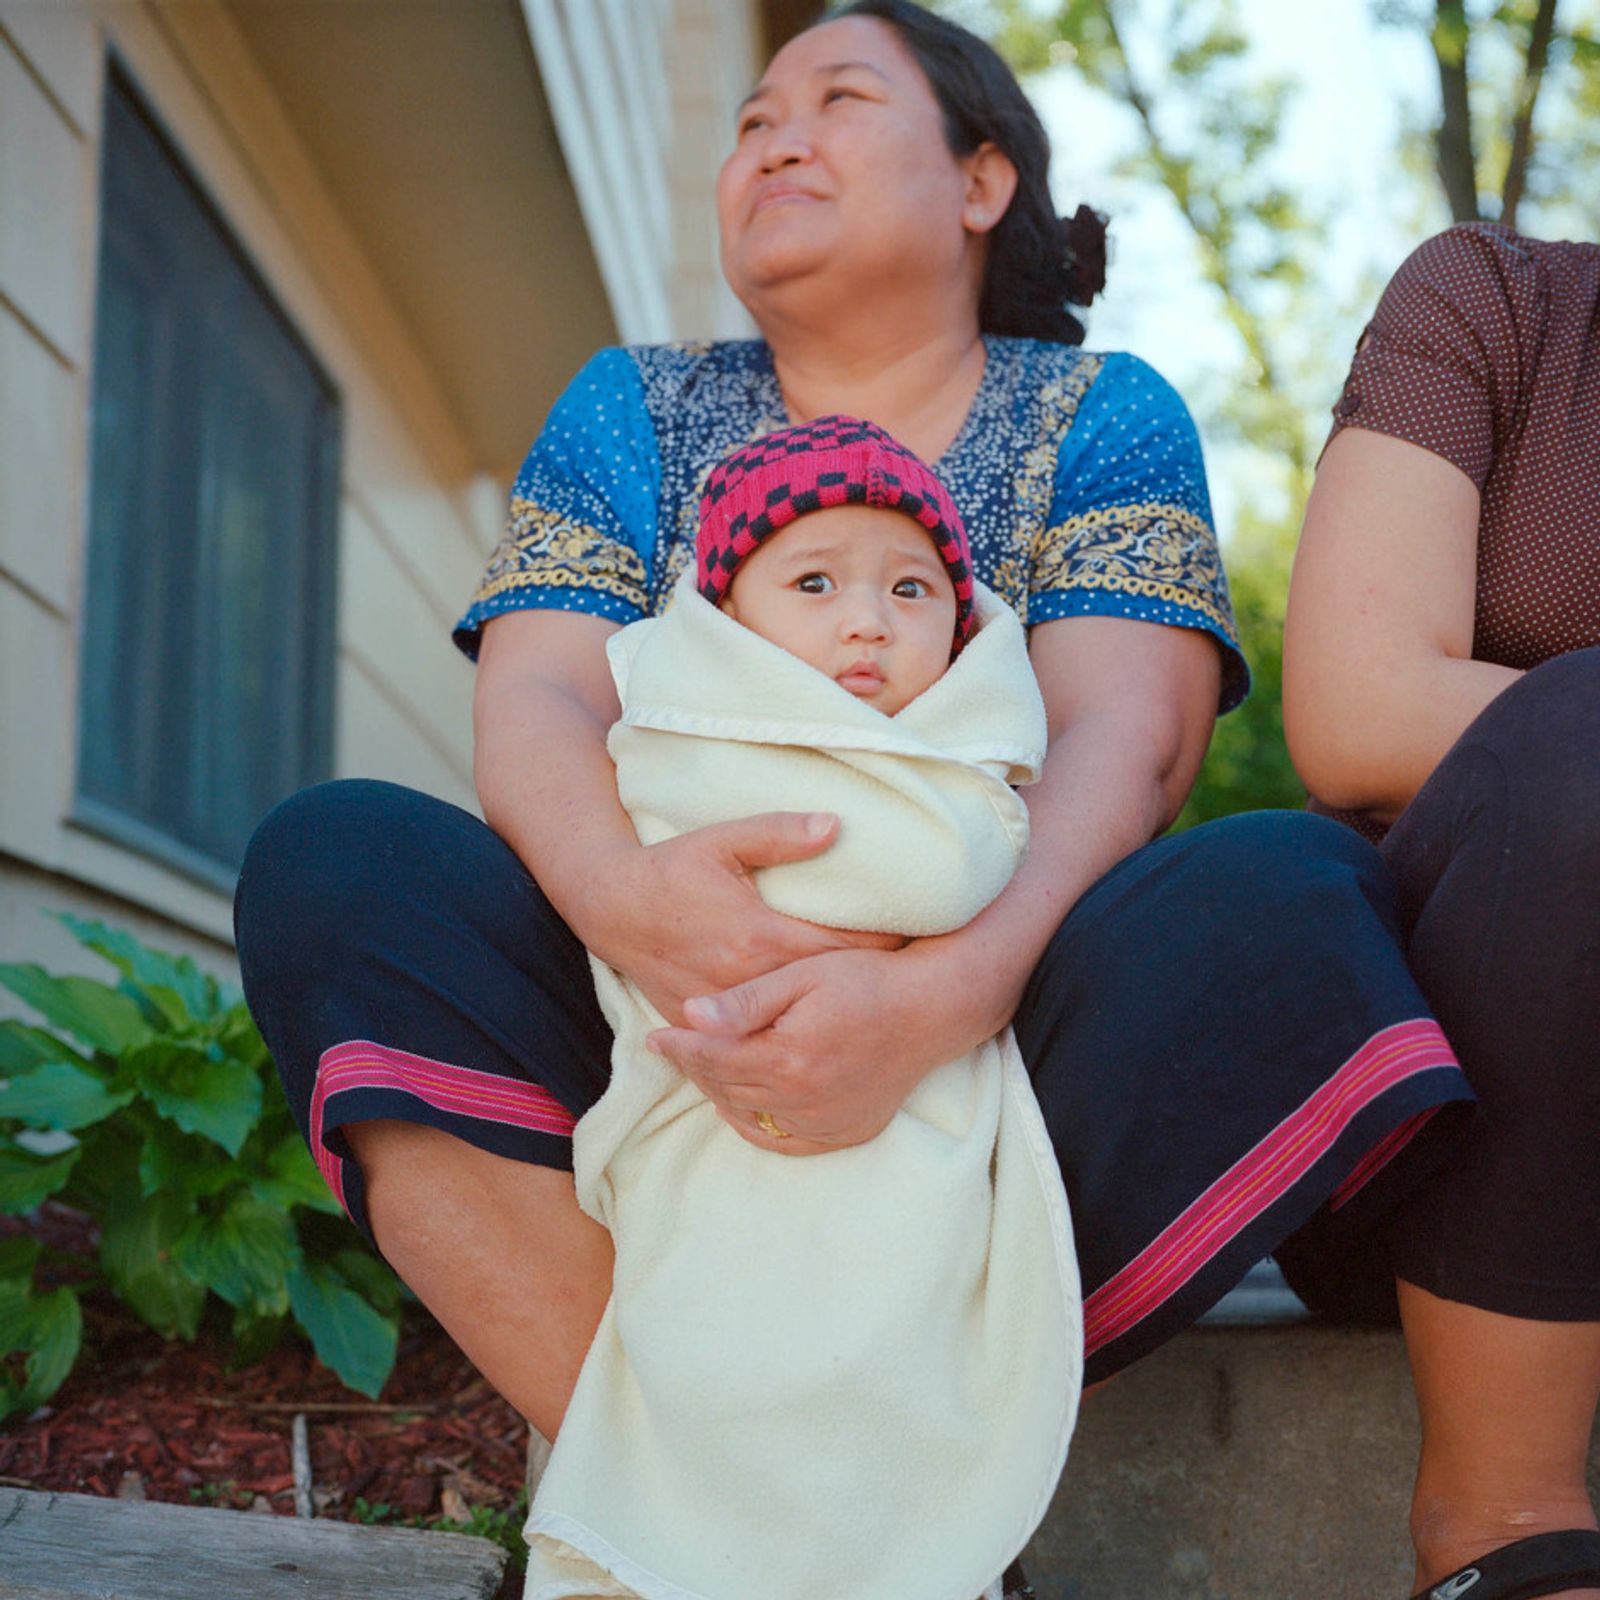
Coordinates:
[1263,1176]
[463,1091]
[1378,1157]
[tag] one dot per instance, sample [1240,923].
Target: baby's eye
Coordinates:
[910,589]
[814,583]
[840,94]
[749,124]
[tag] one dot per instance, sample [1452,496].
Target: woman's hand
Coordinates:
[830,1045]
[683,917]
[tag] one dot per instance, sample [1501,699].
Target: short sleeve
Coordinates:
[1129,532]
[582,527]
[1439,365]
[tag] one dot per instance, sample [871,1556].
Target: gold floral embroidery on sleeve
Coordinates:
[1010,582]
[1152,550]
[1059,400]
[546,550]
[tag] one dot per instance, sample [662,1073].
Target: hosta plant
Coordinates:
[150,1104]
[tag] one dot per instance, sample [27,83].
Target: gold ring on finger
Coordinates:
[765,1123]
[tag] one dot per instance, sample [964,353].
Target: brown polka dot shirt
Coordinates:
[1485,349]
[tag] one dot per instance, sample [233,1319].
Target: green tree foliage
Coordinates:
[1208,128]
[1514,131]
[150,1104]
[1247,767]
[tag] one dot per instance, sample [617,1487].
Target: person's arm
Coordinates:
[1130,709]
[681,917]
[1378,680]
[832,1045]
[678,918]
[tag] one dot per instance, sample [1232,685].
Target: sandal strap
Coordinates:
[1547,1563]
[1015,1585]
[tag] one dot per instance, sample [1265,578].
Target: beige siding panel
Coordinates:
[57,39]
[711,63]
[100,864]
[42,465]
[482,507]
[398,635]
[46,178]
[36,724]
[378,739]
[29,933]
[433,539]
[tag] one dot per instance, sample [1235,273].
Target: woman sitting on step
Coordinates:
[1221,1030]
[1442,694]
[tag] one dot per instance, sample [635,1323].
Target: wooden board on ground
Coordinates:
[79,1547]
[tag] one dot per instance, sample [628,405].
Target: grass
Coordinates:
[504,1527]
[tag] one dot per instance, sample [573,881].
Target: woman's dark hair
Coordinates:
[1038,262]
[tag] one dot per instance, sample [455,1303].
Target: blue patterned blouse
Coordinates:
[1079,477]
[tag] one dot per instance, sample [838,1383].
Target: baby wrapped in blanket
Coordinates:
[848,1376]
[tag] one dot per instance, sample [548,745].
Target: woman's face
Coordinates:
[841,172]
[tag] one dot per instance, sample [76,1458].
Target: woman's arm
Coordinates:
[1378,680]
[1130,708]
[678,918]
[834,1044]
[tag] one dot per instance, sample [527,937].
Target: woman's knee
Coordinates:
[1558,699]
[334,862]
[308,855]
[1544,736]
[1261,870]
[1522,785]
[1238,887]
[1288,846]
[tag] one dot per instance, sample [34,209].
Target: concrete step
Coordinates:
[1240,1463]
[1261,1456]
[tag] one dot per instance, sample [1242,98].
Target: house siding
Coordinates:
[418,514]
[645,177]
[414,526]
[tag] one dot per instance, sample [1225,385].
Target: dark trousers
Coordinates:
[1496,864]
[1223,1034]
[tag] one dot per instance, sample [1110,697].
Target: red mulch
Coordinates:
[171,1421]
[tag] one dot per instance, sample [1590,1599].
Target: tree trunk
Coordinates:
[1457,168]
[1544,23]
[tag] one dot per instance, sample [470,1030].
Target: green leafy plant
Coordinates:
[503,1526]
[152,1106]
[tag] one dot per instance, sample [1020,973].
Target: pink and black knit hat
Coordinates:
[764,485]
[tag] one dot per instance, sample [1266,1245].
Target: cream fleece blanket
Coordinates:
[849,1376]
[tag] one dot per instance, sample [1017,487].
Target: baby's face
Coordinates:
[857,592]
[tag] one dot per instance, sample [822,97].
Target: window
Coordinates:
[208,646]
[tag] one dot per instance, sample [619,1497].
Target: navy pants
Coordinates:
[1224,1036]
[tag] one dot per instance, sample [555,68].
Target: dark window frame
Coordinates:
[189,813]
